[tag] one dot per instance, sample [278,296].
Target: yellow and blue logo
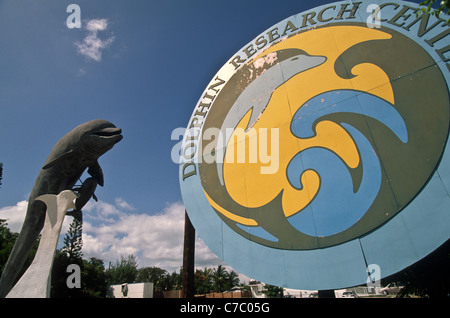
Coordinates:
[331,147]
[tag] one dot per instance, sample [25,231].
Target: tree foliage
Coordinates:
[123,271]
[173,281]
[93,276]
[272,291]
[214,280]
[160,278]
[153,275]
[7,241]
[73,242]
[95,279]
[442,8]
[203,281]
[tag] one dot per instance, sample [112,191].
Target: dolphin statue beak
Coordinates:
[113,133]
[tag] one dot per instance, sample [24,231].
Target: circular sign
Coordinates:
[320,140]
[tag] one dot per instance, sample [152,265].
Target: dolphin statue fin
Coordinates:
[85,193]
[58,159]
[96,172]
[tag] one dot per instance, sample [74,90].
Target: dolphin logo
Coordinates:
[282,66]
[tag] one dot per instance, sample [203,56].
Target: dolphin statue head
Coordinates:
[89,140]
[81,148]
[99,136]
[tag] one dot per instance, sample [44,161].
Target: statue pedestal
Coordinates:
[36,281]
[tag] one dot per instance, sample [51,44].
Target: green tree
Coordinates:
[203,281]
[232,280]
[123,271]
[7,240]
[93,278]
[219,279]
[59,276]
[69,254]
[273,291]
[173,281]
[223,280]
[73,242]
[442,9]
[154,275]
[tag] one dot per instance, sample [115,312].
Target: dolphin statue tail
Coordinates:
[21,250]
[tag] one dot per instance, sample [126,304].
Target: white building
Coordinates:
[136,290]
[257,288]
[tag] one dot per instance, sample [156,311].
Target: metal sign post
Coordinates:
[188,258]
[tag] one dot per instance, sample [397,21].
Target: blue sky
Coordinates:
[148,80]
[153,61]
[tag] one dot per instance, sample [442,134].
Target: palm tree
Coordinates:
[232,280]
[153,275]
[175,281]
[220,276]
[203,281]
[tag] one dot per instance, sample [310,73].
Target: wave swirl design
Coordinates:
[339,203]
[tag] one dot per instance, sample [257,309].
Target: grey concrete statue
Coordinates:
[75,152]
[36,281]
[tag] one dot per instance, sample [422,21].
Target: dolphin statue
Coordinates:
[75,152]
[85,193]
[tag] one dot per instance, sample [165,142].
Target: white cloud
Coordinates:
[101,211]
[14,215]
[109,231]
[92,45]
[97,25]
[121,203]
[112,230]
[81,72]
